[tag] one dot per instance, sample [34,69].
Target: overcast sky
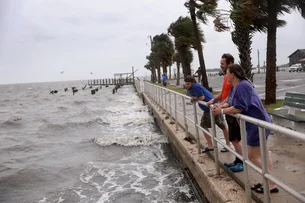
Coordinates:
[41,38]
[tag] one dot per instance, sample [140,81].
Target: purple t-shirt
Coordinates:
[244,97]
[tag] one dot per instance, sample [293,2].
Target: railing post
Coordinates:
[170,107]
[245,157]
[215,142]
[196,127]
[176,116]
[184,118]
[164,99]
[263,149]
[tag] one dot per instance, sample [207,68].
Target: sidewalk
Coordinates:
[287,155]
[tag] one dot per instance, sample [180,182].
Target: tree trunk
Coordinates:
[270,96]
[164,66]
[186,66]
[154,75]
[178,74]
[242,38]
[204,81]
[159,72]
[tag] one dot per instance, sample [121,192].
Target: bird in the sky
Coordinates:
[61,72]
[91,73]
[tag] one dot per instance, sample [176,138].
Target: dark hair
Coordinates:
[238,71]
[189,79]
[229,58]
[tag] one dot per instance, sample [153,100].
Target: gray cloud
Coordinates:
[42,37]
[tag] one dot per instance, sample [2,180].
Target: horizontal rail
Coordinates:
[160,98]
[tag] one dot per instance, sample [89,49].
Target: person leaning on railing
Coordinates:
[200,93]
[234,129]
[244,99]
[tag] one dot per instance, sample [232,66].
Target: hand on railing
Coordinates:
[217,109]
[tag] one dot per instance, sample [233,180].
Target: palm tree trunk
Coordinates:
[164,66]
[159,72]
[178,73]
[270,96]
[242,38]
[153,70]
[186,66]
[204,81]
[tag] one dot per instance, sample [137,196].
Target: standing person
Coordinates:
[164,77]
[244,99]
[234,129]
[199,93]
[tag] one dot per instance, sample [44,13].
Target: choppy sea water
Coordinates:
[83,148]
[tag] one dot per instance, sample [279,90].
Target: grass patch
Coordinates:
[271,107]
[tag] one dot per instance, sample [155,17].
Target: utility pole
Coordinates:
[258,65]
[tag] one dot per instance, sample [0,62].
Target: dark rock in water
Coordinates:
[92,92]
[66,89]
[90,86]
[106,85]
[53,92]
[74,90]
[113,91]
[96,89]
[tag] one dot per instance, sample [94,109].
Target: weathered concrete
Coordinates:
[217,188]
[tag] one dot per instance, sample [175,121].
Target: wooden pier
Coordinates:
[111,81]
[118,79]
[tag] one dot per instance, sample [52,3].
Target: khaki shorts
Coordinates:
[206,121]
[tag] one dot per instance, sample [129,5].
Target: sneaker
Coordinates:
[237,168]
[229,164]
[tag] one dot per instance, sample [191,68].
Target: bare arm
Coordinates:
[230,110]
[216,98]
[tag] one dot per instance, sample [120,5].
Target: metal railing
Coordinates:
[161,97]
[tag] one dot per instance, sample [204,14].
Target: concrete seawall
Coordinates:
[216,188]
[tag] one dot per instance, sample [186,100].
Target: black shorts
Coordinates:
[234,129]
[206,121]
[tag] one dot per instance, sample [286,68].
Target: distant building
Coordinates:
[296,56]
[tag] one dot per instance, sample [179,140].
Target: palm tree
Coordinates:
[246,17]
[164,48]
[275,8]
[206,7]
[154,63]
[183,32]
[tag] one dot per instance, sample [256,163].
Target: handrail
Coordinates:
[158,95]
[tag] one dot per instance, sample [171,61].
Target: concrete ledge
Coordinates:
[216,188]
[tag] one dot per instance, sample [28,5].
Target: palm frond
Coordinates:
[221,23]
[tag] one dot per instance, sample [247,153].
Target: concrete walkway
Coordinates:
[287,155]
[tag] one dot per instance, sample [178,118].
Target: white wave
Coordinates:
[132,140]
[43,200]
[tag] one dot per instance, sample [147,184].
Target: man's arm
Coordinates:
[194,99]
[216,98]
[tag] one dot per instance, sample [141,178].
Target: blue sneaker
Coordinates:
[229,164]
[237,168]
